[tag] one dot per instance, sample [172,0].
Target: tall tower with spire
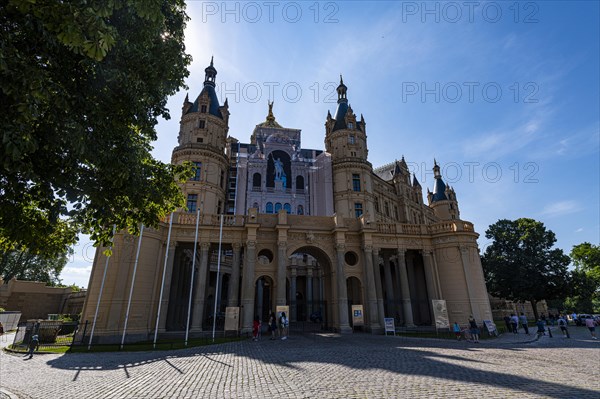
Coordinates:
[443,198]
[346,141]
[202,139]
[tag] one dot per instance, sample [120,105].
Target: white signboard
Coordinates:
[232,318]
[440,313]
[389,325]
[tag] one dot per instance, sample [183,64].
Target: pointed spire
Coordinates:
[187,98]
[341,90]
[436,170]
[416,182]
[403,162]
[226,104]
[210,74]
[397,169]
[211,60]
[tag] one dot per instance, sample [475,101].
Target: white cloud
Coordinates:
[560,208]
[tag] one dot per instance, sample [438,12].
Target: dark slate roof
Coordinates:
[214,102]
[416,182]
[439,190]
[340,115]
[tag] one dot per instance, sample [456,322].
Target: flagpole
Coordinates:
[162,285]
[187,326]
[101,289]
[137,257]
[218,271]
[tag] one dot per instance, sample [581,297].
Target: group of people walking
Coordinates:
[277,327]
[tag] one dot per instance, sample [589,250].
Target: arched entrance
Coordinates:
[310,285]
[263,297]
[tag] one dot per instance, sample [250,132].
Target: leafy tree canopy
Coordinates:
[586,257]
[586,278]
[521,264]
[24,265]
[82,84]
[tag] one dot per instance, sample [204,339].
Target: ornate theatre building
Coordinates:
[318,231]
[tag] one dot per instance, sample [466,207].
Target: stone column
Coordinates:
[260,285]
[248,291]
[164,307]
[430,281]
[281,273]
[293,302]
[405,290]
[389,289]
[200,291]
[398,288]
[378,286]
[371,290]
[464,252]
[309,290]
[342,290]
[234,282]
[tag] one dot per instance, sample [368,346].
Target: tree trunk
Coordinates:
[534,307]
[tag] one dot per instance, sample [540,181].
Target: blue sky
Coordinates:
[504,95]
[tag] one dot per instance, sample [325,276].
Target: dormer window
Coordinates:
[351,138]
[350,126]
[201,124]
[203,109]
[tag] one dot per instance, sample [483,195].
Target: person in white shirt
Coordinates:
[591,325]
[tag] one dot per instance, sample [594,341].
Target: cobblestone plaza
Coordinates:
[321,366]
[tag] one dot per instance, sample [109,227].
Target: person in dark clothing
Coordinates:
[507,322]
[34,344]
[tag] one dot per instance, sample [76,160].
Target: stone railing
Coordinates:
[207,220]
[417,229]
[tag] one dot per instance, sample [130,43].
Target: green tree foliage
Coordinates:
[586,257]
[521,264]
[82,85]
[585,289]
[24,265]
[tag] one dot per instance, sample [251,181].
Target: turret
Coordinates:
[346,141]
[443,198]
[202,141]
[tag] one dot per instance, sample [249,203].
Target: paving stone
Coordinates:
[328,366]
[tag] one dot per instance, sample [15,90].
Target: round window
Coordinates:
[351,258]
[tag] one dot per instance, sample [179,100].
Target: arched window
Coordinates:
[255,205]
[256,180]
[300,183]
[269,207]
[277,207]
[300,210]
[288,208]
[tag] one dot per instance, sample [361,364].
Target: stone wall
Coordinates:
[35,300]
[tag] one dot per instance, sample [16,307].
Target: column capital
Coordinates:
[251,244]
[368,248]
[282,244]
[340,246]
[236,246]
[205,246]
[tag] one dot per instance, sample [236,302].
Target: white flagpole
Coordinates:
[162,285]
[137,257]
[187,326]
[101,289]
[218,271]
